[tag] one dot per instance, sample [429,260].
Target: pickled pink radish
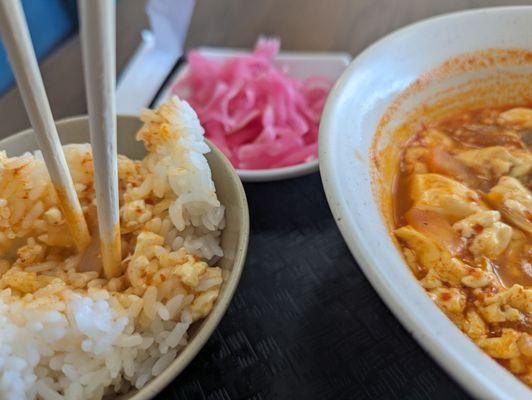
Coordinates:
[257,114]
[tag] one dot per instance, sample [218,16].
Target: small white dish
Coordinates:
[377,79]
[300,65]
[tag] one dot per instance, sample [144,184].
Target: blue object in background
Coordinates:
[50,22]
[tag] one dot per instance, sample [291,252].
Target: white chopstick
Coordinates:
[17,42]
[97,27]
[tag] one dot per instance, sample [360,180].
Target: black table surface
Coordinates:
[305,323]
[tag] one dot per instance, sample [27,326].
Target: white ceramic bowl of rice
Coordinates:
[70,334]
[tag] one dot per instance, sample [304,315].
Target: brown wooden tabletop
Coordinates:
[305,323]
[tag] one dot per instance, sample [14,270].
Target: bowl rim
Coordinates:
[277,174]
[470,379]
[209,324]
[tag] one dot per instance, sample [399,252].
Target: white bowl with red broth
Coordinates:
[426,161]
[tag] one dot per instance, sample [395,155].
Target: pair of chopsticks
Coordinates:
[97,26]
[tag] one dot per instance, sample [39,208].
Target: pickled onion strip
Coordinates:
[257,114]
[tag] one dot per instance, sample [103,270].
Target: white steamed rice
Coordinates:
[66,332]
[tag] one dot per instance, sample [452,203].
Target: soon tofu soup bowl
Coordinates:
[412,144]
